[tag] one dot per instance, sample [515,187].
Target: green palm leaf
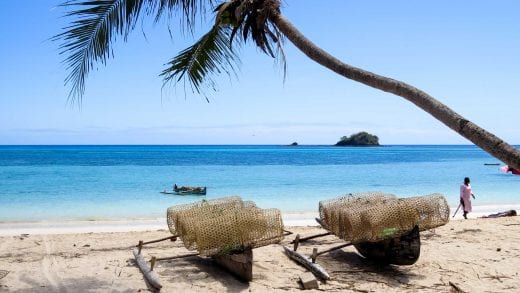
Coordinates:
[88,39]
[211,54]
[188,8]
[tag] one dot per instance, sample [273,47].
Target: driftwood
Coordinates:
[149,274]
[238,264]
[510,213]
[307,262]
[403,250]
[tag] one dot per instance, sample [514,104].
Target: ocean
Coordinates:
[56,183]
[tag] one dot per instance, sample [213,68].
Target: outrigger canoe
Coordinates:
[187,190]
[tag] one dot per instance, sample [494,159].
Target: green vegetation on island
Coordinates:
[359,139]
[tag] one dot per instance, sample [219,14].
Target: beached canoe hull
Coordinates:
[403,250]
[239,264]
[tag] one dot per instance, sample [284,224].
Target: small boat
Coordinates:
[186,190]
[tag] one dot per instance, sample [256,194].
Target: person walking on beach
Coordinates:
[465,194]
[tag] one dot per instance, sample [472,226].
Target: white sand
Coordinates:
[478,255]
[294,219]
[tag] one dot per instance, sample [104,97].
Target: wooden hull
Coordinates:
[240,264]
[190,191]
[186,192]
[403,250]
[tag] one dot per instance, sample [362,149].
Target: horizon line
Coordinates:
[231,144]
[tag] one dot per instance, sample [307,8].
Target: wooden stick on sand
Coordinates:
[149,274]
[315,268]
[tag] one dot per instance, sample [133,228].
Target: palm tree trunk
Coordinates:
[479,136]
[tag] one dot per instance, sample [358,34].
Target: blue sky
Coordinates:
[464,53]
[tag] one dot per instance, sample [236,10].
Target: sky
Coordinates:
[464,53]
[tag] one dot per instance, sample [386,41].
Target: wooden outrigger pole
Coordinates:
[238,263]
[403,250]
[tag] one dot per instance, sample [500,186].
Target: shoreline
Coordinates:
[294,219]
[290,219]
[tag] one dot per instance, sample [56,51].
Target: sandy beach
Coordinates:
[477,255]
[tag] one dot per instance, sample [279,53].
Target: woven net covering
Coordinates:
[330,209]
[433,210]
[224,225]
[375,216]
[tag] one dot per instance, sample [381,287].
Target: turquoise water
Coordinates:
[108,182]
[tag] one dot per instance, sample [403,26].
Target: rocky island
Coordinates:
[359,139]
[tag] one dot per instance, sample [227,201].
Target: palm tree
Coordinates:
[97,23]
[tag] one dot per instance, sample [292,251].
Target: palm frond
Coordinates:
[211,54]
[251,19]
[188,9]
[87,40]
[96,25]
